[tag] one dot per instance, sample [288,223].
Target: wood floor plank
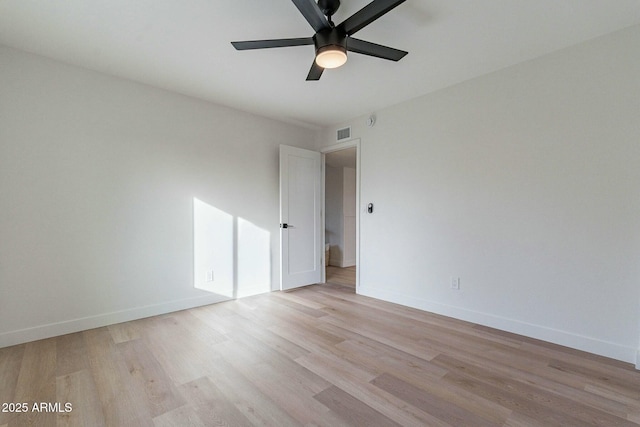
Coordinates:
[548,380]
[290,395]
[37,382]
[258,407]
[214,317]
[149,377]
[196,328]
[623,382]
[79,390]
[414,370]
[237,326]
[299,335]
[297,306]
[72,354]
[10,361]
[612,394]
[429,403]
[382,358]
[290,385]
[292,296]
[211,405]
[518,419]
[392,338]
[524,398]
[184,416]
[113,382]
[528,408]
[465,399]
[251,313]
[123,332]
[244,351]
[351,409]
[276,314]
[183,355]
[357,384]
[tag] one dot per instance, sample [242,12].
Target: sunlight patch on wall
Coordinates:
[231,256]
[213,249]
[254,259]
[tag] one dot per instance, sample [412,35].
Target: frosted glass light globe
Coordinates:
[331,58]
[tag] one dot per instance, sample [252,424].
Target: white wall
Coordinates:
[99,178]
[525,184]
[334,227]
[349,217]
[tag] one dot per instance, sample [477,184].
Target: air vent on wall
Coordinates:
[344,133]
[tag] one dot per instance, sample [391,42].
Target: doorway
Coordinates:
[341,219]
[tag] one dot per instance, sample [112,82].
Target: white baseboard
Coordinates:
[556,336]
[342,263]
[82,324]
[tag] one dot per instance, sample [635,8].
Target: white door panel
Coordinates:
[300,217]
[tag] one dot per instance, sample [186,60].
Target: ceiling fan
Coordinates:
[333,41]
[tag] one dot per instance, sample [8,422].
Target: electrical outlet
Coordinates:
[209,276]
[455,283]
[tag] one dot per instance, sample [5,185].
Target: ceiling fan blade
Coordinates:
[367,15]
[312,13]
[265,44]
[372,49]
[315,72]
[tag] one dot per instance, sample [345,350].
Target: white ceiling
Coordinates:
[183,46]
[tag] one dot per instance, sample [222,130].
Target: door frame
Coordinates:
[329,149]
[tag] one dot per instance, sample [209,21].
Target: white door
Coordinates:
[300,217]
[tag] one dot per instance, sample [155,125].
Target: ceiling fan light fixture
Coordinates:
[331,40]
[331,56]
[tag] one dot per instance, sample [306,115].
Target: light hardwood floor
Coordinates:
[345,276]
[317,356]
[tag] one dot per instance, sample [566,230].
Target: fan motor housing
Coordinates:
[329,7]
[329,37]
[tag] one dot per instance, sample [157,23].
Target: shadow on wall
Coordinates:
[231,256]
